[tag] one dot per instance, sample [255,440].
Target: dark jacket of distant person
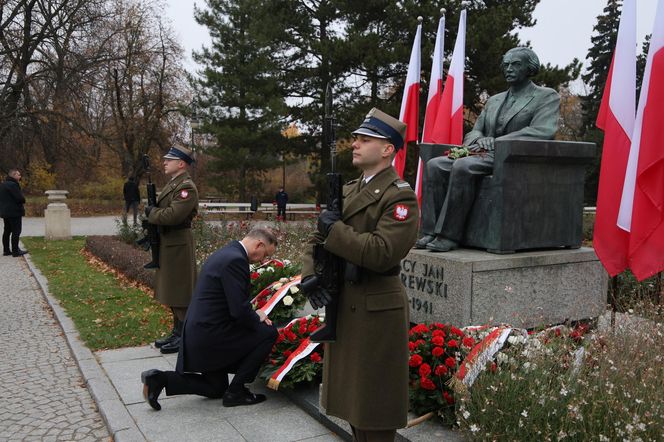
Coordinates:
[11,199]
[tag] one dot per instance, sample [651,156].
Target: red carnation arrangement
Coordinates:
[290,338]
[436,350]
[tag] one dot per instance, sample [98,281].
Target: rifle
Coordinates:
[328,268]
[150,240]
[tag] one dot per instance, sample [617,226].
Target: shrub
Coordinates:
[40,178]
[127,233]
[125,258]
[560,385]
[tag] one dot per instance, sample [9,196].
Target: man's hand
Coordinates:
[485,143]
[148,209]
[263,317]
[328,217]
[318,297]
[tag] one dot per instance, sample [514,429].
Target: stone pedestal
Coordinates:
[57,216]
[473,287]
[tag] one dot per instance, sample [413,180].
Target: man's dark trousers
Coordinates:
[457,180]
[215,383]
[13,227]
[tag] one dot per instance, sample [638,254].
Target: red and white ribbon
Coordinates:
[302,351]
[280,294]
[478,357]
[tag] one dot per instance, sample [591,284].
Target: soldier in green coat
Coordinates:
[365,374]
[177,205]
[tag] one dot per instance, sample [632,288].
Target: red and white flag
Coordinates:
[410,103]
[646,165]
[448,126]
[616,118]
[433,100]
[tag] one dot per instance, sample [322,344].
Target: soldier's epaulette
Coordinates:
[402,184]
[351,182]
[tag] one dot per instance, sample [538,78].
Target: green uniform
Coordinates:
[365,372]
[177,205]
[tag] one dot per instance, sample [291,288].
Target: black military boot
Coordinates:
[328,331]
[168,339]
[174,345]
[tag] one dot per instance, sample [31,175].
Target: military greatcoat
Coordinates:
[365,372]
[177,205]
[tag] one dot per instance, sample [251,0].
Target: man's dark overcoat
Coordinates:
[177,205]
[365,372]
[220,326]
[11,199]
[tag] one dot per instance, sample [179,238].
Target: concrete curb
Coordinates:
[120,424]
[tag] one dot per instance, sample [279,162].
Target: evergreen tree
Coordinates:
[599,58]
[239,92]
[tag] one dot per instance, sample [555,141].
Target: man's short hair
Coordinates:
[263,233]
[528,56]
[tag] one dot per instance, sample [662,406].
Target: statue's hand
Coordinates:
[485,143]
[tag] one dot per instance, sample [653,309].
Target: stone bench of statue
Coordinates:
[533,198]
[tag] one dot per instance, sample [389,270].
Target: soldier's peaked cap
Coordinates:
[380,125]
[180,153]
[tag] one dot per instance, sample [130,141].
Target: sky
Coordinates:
[562,31]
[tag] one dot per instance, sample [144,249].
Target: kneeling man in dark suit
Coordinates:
[222,333]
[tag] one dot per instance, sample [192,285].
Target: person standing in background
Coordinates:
[12,210]
[282,200]
[132,197]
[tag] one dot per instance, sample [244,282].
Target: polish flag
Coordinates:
[410,104]
[616,118]
[448,126]
[433,100]
[643,203]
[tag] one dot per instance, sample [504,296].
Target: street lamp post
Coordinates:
[194,123]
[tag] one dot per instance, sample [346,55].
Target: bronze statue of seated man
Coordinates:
[525,110]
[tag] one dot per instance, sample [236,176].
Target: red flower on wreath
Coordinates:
[415,361]
[425,370]
[287,353]
[456,331]
[438,333]
[419,328]
[441,370]
[315,357]
[427,384]
[412,346]
[437,352]
[254,275]
[468,342]
[438,340]
[452,343]
[450,362]
[448,397]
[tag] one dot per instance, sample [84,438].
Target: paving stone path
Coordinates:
[43,395]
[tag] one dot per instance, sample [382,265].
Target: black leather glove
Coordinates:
[148,209]
[318,296]
[327,218]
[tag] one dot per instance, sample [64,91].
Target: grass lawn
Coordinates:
[107,312]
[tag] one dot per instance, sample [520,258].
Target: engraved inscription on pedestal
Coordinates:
[472,287]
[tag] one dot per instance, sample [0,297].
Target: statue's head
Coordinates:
[522,63]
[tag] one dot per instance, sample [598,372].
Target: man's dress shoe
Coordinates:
[244,397]
[442,245]
[422,242]
[153,383]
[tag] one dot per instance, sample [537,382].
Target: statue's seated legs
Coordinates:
[449,195]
